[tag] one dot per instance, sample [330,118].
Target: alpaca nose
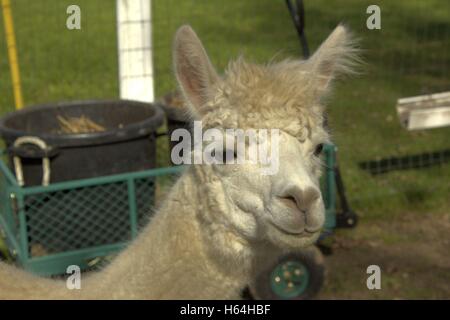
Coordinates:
[301,198]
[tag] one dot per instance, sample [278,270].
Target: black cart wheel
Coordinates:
[296,276]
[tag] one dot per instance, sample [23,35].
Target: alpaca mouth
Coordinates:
[303,233]
[298,217]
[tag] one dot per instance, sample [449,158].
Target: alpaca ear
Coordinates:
[336,56]
[193,69]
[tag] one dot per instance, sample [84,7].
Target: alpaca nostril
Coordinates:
[290,202]
[308,197]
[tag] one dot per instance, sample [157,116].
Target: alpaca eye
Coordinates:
[318,150]
[229,154]
[224,156]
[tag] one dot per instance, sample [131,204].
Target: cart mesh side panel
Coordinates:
[145,191]
[4,201]
[84,217]
[8,208]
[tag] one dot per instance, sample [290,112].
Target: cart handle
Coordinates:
[45,160]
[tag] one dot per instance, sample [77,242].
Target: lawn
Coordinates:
[409,56]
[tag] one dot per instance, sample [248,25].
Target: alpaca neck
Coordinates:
[176,255]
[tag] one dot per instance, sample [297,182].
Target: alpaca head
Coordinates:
[285,207]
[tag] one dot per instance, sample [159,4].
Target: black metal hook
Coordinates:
[298,17]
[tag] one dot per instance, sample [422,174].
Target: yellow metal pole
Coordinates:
[12,53]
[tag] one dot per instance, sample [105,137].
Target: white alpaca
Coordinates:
[220,221]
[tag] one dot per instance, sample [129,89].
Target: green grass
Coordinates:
[408,56]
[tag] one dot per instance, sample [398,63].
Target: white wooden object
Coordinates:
[425,112]
[135,50]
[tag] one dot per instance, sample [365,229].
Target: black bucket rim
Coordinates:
[176,114]
[128,132]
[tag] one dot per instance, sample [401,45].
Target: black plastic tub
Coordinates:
[127,144]
[176,119]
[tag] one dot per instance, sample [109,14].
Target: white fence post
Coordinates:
[135,50]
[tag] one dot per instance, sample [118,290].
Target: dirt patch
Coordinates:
[412,252]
